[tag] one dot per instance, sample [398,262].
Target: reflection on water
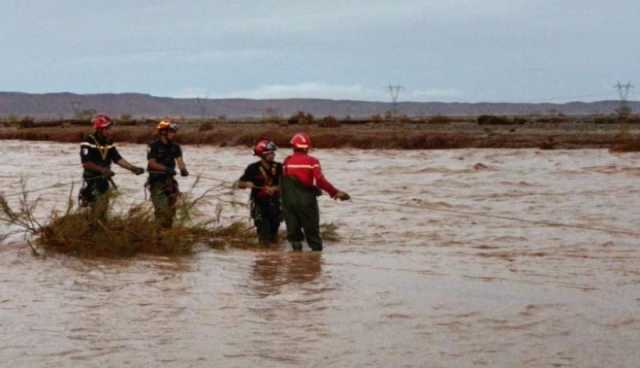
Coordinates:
[273,270]
[407,287]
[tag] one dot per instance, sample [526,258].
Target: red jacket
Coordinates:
[307,170]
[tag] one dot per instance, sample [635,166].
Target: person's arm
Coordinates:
[246,180]
[245,184]
[153,166]
[325,185]
[126,165]
[182,166]
[322,182]
[158,167]
[275,188]
[120,161]
[97,168]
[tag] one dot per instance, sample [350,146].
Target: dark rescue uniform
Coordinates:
[265,207]
[164,187]
[101,151]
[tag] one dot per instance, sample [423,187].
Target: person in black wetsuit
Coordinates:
[162,156]
[263,178]
[97,152]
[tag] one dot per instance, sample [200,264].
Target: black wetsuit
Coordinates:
[163,186]
[265,207]
[100,151]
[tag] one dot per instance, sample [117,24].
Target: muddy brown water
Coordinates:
[405,287]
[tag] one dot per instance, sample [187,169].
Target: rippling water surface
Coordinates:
[420,285]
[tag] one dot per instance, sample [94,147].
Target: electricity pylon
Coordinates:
[394,93]
[623,92]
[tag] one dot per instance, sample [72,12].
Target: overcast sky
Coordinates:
[438,50]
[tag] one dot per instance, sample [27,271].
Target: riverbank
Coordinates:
[429,134]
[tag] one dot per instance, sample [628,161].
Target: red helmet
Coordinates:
[101,121]
[301,141]
[263,147]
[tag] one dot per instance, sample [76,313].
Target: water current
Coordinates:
[413,282]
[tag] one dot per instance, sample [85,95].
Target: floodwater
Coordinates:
[412,283]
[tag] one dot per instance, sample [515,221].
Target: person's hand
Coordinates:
[343,196]
[184,172]
[107,173]
[170,171]
[137,170]
[271,190]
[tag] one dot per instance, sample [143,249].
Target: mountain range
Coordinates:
[67,105]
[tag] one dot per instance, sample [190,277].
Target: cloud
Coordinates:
[309,90]
[323,91]
[434,94]
[439,50]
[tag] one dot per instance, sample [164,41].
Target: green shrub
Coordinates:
[494,120]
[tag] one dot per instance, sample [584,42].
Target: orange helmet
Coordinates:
[263,147]
[301,141]
[166,124]
[101,121]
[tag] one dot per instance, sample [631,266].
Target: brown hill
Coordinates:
[65,105]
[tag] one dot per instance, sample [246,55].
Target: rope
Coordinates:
[40,189]
[222,181]
[508,218]
[57,185]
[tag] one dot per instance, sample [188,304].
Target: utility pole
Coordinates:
[394,93]
[75,107]
[202,105]
[623,92]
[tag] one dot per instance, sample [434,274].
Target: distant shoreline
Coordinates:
[64,105]
[434,133]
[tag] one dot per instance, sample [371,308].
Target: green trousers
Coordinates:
[301,214]
[164,195]
[95,195]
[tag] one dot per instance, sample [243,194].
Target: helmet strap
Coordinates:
[263,156]
[163,134]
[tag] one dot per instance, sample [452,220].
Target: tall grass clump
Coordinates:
[121,233]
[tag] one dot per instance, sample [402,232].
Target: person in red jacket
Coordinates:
[302,181]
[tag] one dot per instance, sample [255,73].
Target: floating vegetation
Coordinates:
[126,233]
[329,232]
[122,233]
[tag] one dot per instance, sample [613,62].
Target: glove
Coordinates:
[137,170]
[170,171]
[343,196]
[107,173]
[184,172]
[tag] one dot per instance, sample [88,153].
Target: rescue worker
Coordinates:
[263,178]
[162,155]
[302,181]
[97,152]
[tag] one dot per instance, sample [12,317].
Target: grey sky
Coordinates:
[456,50]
